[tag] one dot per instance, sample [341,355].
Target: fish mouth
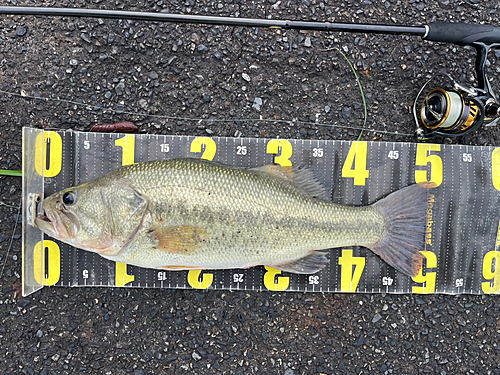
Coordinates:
[55,223]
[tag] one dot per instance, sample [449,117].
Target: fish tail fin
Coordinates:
[404,212]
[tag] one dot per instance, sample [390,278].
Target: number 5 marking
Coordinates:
[423,159]
[430,277]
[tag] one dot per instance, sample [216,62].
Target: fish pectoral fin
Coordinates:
[311,263]
[184,239]
[300,178]
[180,268]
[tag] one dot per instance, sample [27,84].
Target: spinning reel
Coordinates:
[458,109]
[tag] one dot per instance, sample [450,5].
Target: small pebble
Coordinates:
[21,31]
[257,102]
[196,356]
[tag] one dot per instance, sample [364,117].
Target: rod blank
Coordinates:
[211,20]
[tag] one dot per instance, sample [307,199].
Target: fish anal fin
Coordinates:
[302,179]
[184,239]
[311,263]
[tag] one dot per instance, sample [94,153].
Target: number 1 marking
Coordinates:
[127,144]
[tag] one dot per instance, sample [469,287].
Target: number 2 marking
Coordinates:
[210,147]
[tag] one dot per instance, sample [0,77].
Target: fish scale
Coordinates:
[195,214]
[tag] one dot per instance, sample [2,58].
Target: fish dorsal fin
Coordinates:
[301,178]
[183,239]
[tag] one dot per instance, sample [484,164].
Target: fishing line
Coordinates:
[290,122]
[11,238]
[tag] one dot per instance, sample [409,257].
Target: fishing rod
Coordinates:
[453,111]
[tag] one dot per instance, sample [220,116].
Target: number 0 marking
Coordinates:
[48,145]
[53,262]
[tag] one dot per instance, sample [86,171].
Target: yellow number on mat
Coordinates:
[210,147]
[357,157]
[429,280]
[270,282]
[122,278]
[273,147]
[424,157]
[197,280]
[349,280]
[495,168]
[53,261]
[491,272]
[127,144]
[48,145]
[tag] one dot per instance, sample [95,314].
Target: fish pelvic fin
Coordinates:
[311,263]
[405,214]
[180,268]
[184,239]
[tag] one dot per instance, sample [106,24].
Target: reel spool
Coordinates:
[453,111]
[448,111]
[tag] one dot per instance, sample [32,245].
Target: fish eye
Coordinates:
[69,198]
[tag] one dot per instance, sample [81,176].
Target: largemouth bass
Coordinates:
[183,214]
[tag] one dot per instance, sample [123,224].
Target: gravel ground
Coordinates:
[184,72]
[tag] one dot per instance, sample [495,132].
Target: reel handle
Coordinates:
[481,37]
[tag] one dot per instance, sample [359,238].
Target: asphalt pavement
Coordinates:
[72,73]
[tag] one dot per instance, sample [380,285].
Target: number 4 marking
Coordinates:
[357,157]
[349,280]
